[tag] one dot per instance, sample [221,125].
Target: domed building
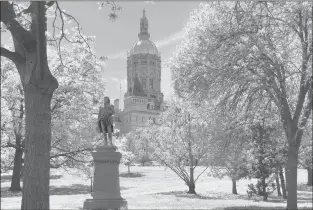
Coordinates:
[143,100]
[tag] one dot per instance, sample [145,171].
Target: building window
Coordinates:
[144,62]
[151,83]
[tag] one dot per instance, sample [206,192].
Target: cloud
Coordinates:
[119,55]
[149,2]
[121,83]
[170,39]
[159,43]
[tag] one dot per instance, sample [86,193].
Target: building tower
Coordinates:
[143,99]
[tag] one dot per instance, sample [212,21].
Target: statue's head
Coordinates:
[106,100]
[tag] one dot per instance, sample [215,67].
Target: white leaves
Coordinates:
[125,147]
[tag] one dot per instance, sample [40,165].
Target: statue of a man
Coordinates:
[105,121]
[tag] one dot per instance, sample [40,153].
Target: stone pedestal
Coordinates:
[106,185]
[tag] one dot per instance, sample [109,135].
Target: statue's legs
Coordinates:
[104,134]
[110,134]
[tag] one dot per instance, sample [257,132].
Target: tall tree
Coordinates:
[30,58]
[13,130]
[227,154]
[178,140]
[246,53]
[305,156]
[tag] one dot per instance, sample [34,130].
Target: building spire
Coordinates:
[144,34]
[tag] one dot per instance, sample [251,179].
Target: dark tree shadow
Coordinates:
[131,175]
[213,196]
[302,197]
[304,187]
[55,176]
[5,193]
[261,208]
[74,189]
[8,178]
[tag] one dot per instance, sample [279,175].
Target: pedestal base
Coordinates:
[106,191]
[105,204]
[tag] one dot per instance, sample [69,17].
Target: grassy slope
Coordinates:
[157,188]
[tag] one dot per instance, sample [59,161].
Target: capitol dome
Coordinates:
[144,47]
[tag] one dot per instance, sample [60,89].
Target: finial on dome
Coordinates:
[144,34]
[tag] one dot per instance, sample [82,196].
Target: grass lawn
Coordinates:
[157,188]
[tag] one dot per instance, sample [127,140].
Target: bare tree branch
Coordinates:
[13,56]
[23,37]
[69,153]
[201,173]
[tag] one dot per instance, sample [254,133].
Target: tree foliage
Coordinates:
[126,147]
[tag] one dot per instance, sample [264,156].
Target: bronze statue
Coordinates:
[105,121]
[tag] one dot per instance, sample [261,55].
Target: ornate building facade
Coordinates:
[143,100]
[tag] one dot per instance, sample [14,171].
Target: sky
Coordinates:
[167,20]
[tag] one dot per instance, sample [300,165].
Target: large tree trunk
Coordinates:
[278,184]
[90,184]
[128,167]
[282,181]
[39,85]
[286,178]
[37,148]
[191,188]
[292,166]
[264,189]
[191,184]
[16,176]
[310,173]
[234,189]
